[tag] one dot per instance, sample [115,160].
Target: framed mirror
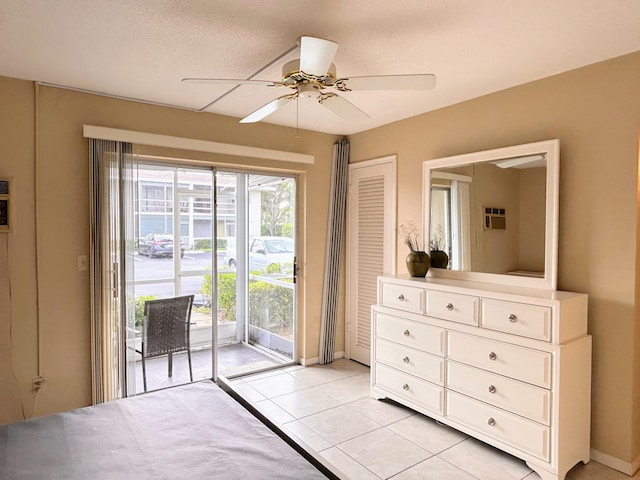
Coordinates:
[492,216]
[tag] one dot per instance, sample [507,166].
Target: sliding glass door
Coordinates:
[256,284]
[228,239]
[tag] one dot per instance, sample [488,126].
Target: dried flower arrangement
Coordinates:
[437,241]
[411,236]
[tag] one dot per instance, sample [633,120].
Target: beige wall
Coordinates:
[57,293]
[18,345]
[532,188]
[595,112]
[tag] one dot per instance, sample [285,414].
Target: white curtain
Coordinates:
[111,193]
[335,245]
[460,223]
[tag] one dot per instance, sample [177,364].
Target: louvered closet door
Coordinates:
[370,246]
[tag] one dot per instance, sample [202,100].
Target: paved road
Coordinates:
[159,268]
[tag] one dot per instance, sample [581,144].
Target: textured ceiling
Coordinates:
[142,49]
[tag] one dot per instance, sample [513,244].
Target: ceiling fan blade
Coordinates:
[342,107]
[316,55]
[269,108]
[391,82]
[230,81]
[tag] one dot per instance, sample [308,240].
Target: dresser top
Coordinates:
[480,289]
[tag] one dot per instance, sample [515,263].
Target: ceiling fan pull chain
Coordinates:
[297,135]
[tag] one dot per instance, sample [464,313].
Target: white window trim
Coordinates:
[183,143]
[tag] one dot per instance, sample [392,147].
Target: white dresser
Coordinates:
[510,366]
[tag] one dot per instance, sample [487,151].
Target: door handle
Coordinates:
[115,279]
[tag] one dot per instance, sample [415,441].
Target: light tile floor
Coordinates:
[328,407]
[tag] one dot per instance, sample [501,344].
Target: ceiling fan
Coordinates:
[313,73]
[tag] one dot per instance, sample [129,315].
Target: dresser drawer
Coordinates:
[531,321]
[517,397]
[424,365]
[402,297]
[452,306]
[413,334]
[410,388]
[526,364]
[528,436]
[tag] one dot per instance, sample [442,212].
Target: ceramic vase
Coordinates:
[418,263]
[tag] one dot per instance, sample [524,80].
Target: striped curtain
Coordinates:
[335,244]
[110,184]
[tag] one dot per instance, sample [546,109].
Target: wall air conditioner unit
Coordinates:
[6,219]
[495,218]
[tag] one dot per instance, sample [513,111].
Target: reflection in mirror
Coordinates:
[495,213]
[507,207]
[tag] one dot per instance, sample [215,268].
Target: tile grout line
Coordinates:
[337,445]
[381,426]
[453,464]
[333,445]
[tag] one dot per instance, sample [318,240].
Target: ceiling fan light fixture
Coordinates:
[309,90]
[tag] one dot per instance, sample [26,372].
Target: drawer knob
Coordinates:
[512,318]
[492,389]
[405,386]
[491,422]
[492,356]
[407,333]
[401,297]
[405,359]
[449,306]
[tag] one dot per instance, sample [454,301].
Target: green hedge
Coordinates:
[226,296]
[202,244]
[139,316]
[270,306]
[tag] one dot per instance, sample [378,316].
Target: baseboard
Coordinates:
[628,468]
[305,362]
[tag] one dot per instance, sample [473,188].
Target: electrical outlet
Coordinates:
[37,383]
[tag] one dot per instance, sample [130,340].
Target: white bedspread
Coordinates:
[195,431]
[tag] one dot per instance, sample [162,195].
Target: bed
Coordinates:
[196,431]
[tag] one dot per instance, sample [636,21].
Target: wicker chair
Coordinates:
[166,330]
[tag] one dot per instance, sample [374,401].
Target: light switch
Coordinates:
[83,262]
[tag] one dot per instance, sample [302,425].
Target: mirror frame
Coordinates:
[551,150]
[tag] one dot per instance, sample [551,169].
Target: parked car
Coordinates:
[263,252]
[157,245]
